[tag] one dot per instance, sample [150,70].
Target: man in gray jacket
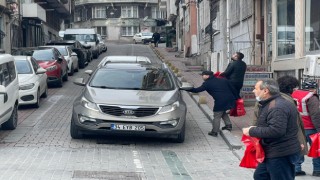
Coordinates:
[277,128]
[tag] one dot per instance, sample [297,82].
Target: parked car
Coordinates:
[124,59]
[102,43]
[55,64]
[83,51]
[70,56]
[142,37]
[130,98]
[32,81]
[9,92]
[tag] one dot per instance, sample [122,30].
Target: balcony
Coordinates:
[59,6]
[82,2]
[37,11]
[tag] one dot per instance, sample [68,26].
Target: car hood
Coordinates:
[25,78]
[131,97]
[45,64]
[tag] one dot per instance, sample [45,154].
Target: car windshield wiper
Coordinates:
[102,87]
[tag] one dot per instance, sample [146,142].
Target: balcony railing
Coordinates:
[81,2]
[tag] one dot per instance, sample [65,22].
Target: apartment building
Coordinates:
[118,20]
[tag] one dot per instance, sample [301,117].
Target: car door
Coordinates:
[74,59]
[41,78]
[7,79]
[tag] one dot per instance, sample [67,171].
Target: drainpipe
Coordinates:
[198,27]
[228,31]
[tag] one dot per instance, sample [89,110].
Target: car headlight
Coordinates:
[90,105]
[169,108]
[26,86]
[51,68]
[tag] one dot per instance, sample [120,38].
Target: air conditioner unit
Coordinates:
[312,66]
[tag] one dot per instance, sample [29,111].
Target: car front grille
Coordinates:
[124,111]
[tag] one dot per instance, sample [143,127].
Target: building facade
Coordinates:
[118,20]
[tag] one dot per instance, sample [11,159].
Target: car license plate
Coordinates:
[128,127]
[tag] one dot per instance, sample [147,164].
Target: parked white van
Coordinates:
[9,92]
[85,36]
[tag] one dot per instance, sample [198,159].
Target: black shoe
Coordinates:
[227,127]
[300,173]
[316,173]
[214,134]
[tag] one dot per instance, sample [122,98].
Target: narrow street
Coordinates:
[41,146]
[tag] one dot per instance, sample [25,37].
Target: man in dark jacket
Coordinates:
[224,97]
[277,127]
[235,71]
[156,38]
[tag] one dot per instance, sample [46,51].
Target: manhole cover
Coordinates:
[107,175]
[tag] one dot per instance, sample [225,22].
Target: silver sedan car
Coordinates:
[130,98]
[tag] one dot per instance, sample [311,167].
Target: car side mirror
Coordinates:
[186,86]
[3,94]
[79,81]
[89,72]
[74,54]
[41,71]
[60,59]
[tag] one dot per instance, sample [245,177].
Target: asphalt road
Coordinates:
[41,146]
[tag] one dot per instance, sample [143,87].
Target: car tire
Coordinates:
[37,104]
[181,136]
[12,123]
[65,77]
[74,131]
[71,71]
[77,69]
[45,93]
[60,81]
[143,41]
[134,41]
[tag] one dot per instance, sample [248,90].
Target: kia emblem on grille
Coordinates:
[128,112]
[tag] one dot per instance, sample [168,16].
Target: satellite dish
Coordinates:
[145,18]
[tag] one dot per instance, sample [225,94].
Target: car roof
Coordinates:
[124,59]
[134,66]
[62,42]
[18,57]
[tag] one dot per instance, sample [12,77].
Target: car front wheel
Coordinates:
[181,136]
[74,131]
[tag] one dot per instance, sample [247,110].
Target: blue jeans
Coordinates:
[315,161]
[280,168]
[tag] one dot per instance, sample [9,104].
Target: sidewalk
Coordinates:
[204,100]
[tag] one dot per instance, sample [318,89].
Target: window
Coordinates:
[12,71]
[156,13]
[312,28]
[99,12]
[129,11]
[102,30]
[285,27]
[129,31]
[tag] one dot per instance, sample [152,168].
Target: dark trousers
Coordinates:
[156,41]
[280,168]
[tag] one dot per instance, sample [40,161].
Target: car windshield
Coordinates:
[62,50]
[43,55]
[153,80]
[80,37]
[147,34]
[22,52]
[23,67]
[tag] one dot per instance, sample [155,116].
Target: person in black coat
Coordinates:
[224,96]
[235,71]
[156,38]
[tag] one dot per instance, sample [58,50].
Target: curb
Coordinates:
[234,143]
